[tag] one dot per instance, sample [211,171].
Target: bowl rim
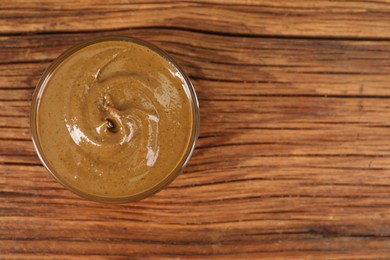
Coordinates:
[41,85]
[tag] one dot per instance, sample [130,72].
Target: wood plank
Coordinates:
[297,125]
[223,64]
[324,218]
[324,18]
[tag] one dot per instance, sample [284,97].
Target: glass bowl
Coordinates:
[193,100]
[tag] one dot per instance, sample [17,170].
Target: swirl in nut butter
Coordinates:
[114,119]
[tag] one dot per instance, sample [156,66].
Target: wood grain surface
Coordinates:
[293,159]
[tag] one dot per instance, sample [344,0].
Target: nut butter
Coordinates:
[114,119]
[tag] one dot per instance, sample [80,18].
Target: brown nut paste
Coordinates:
[114,119]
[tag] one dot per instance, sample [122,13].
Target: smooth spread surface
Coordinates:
[293,157]
[114,119]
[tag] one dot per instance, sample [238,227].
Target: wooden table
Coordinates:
[293,159]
